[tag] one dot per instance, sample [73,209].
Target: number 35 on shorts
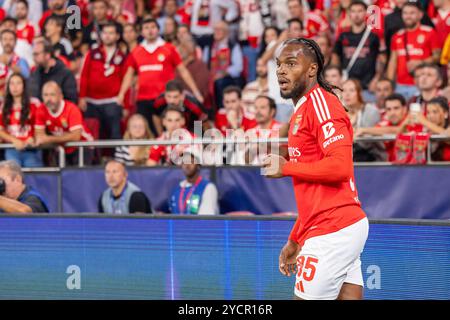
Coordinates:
[306,270]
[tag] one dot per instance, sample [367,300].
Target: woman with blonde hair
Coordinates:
[137,129]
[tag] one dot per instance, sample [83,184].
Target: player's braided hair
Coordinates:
[312,49]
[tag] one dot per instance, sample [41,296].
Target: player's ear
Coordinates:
[313,69]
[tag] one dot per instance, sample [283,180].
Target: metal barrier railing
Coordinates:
[81,145]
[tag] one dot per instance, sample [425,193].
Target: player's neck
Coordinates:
[308,88]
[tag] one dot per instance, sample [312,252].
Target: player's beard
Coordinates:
[296,92]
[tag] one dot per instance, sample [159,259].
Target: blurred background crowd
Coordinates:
[144,69]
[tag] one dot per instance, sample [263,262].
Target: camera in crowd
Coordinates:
[2,187]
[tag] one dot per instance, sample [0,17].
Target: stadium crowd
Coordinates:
[149,69]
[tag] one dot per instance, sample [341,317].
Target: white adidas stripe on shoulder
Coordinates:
[320,105]
[325,104]
[315,107]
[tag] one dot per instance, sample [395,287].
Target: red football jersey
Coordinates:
[421,44]
[163,153]
[14,127]
[27,32]
[319,127]
[315,23]
[68,118]
[222,124]
[154,69]
[442,24]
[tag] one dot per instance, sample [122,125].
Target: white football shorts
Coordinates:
[326,262]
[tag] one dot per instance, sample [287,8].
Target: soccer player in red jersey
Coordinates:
[329,235]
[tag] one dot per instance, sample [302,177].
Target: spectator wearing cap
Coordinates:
[122,196]
[195,195]
[411,46]
[49,68]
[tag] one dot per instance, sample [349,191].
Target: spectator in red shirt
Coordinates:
[17,120]
[232,115]
[174,96]
[267,127]
[155,63]
[9,61]
[25,28]
[56,7]
[101,78]
[174,125]
[314,22]
[396,113]
[59,121]
[410,47]
[442,20]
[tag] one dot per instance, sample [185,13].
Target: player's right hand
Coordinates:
[288,258]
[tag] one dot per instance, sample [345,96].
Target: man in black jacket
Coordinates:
[49,68]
